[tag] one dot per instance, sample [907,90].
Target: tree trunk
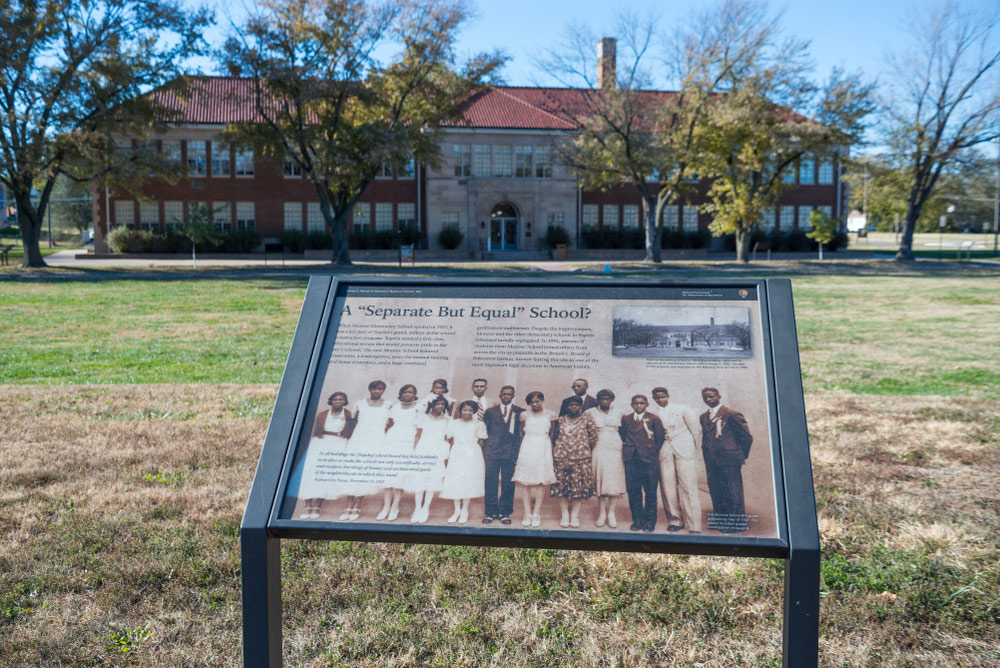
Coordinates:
[905,252]
[341,253]
[743,245]
[31,232]
[653,254]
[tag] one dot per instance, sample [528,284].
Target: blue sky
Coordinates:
[855,34]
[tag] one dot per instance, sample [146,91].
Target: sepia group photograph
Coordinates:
[552,415]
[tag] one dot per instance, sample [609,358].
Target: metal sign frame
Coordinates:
[262,529]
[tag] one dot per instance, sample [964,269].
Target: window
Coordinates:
[481,160]
[220,158]
[589,215]
[610,215]
[690,221]
[786,217]
[245,216]
[196,158]
[293,216]
[449,219]
[804,222]
[543,162]
[125,213]
[407,169]
[362,217]
[788,175]
[383,216]
[314,218]
[522,162]
[557,219]
[171,152]
[149,216]
[807,171]
[827,211]
[767,219]
[222,216]
[292,168]
[173,215]
[406,214]
[463,160]
[502,160]
[384,171]
[826,172]
[244,162]
[630,216]
[671,217]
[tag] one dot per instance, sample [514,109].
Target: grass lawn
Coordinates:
[132,412]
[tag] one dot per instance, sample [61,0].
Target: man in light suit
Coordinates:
[642,437]
[679,462]
[725,444]
[500,448]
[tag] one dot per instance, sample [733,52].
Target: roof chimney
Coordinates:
[606,63]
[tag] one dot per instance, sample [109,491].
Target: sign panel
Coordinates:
[642,412]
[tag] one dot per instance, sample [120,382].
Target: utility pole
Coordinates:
[996,203]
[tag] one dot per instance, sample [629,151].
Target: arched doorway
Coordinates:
[503,228]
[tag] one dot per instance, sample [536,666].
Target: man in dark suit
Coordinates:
[500,448]
[580,387]
[642,437]
[725,443]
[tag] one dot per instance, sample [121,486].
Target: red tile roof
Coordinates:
[222,100]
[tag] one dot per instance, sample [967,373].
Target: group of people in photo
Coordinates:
[492,448]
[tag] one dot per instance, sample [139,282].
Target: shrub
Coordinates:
[673,238]
[840,240]
[317,240]
[177,243]
[410,235]
[450,237]
[701,238]
[293,241]
[123,239]
[634,238]
[361,240]
[386,240]
[797,241]
[556,235]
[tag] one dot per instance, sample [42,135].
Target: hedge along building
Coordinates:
[499,180]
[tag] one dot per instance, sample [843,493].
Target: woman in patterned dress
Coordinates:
[609,471]
[576,436]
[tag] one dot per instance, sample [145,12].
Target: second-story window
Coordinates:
[463,161]
[292,168]
[220,158]
[407,169]
[502,160]
[384,171]
[522,162]
[244,162]
[196,158]
[543,162]
[807,173]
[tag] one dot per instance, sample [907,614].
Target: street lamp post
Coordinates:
[996,203]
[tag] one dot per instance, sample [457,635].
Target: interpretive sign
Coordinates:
[605,415]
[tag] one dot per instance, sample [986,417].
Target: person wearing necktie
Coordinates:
[725,444]
[642,437]
[500,450]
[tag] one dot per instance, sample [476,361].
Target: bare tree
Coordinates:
[630,134]
[944,100]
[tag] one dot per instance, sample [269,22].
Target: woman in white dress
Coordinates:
[466,471]
[432,428]
[609,471]
[371,416]
[330,433]
[534,470]
[399,439]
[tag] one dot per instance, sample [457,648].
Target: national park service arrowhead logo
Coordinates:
[743,293]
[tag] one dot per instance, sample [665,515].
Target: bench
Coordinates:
[762,246]
[5,252]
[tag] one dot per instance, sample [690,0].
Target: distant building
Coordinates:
[499,180]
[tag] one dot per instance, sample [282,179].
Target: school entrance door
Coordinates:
[503,228]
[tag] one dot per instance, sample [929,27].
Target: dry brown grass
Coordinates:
[119,507]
